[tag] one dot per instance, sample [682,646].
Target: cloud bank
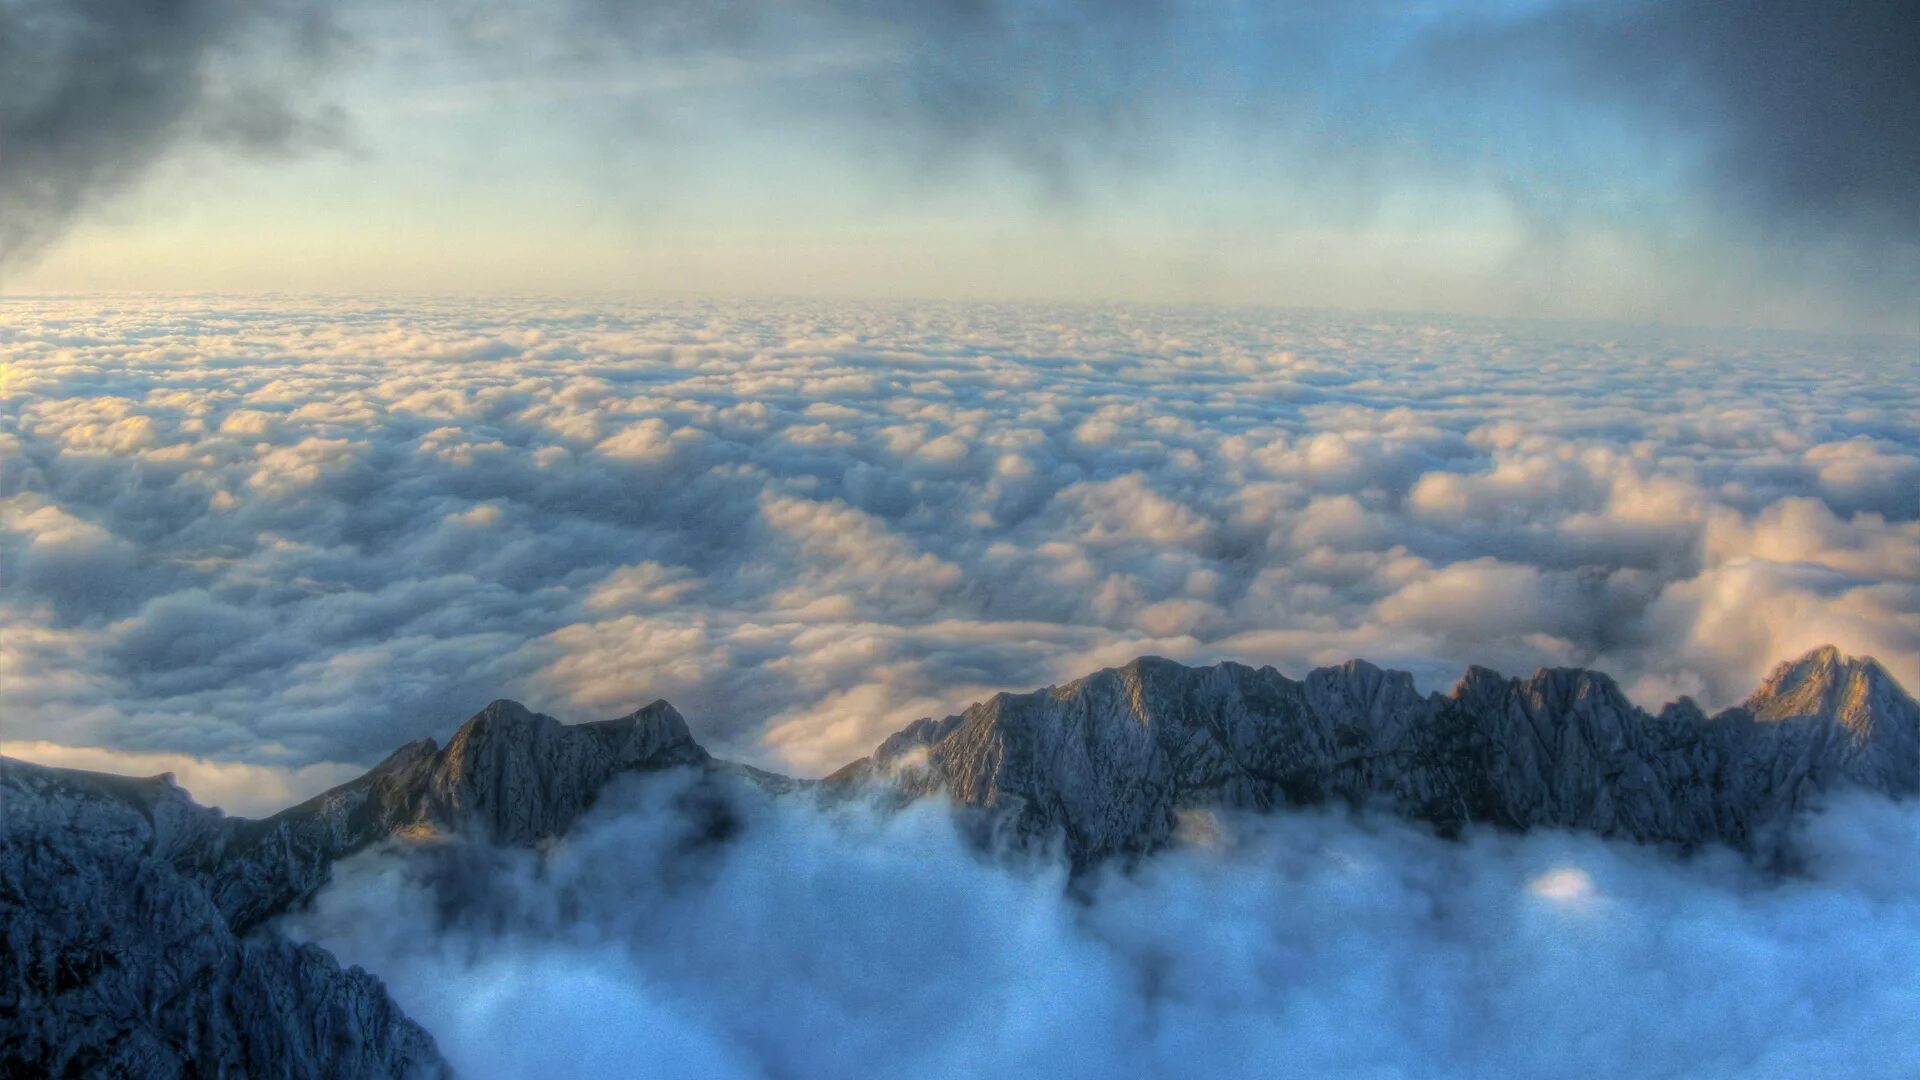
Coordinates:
[840,943]
[290,533]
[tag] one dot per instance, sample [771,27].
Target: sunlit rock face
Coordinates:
[1846,713]
[1108,762]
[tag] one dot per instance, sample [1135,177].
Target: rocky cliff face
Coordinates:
[115,962]
[128,912]
[507,774]
[1109,761]
[1846,719]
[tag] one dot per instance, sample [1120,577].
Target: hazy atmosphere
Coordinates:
[831,538]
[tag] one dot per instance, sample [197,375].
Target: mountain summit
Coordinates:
[1851,714]
[1848,690]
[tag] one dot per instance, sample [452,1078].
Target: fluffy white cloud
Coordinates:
[843,943]
[331,526]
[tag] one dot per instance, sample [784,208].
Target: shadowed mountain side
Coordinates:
[508,774]
[1107,762]
[114,962]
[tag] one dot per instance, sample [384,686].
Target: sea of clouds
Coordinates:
[836,942]
[260,543]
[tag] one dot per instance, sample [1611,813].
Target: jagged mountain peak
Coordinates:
[1558,683]
[503,709]
[1110,760]
[525,776]
[1149,670]
[506,714]
[508,773]
[1827,684]
[506,719]
[659,717]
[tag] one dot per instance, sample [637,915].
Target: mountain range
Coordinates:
[136,923]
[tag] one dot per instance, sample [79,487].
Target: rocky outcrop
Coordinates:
[1832,720]
[1108,762]
[508,774]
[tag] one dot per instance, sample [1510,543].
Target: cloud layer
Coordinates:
[302,532]
[846,944]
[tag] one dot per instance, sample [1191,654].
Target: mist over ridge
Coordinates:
[850,944]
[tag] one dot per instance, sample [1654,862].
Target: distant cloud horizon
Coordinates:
[294,534]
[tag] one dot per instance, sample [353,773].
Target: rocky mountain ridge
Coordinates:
[1108,762]
[132,917]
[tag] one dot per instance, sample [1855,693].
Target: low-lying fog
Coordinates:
[837,942]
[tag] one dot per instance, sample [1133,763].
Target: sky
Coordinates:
[1675,162]
[823,365]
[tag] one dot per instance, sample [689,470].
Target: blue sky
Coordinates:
[1618,160]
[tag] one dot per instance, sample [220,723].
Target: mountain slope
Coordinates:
[115,963]
[508,774]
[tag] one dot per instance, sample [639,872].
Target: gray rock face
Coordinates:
[130,915]
[114,962]
[1108,762]
[1846,718]
[507,774]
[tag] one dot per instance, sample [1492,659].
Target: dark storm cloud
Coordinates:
[1784,114]
[1794,119]
[94,92]
[1048,87]
[1811,111]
